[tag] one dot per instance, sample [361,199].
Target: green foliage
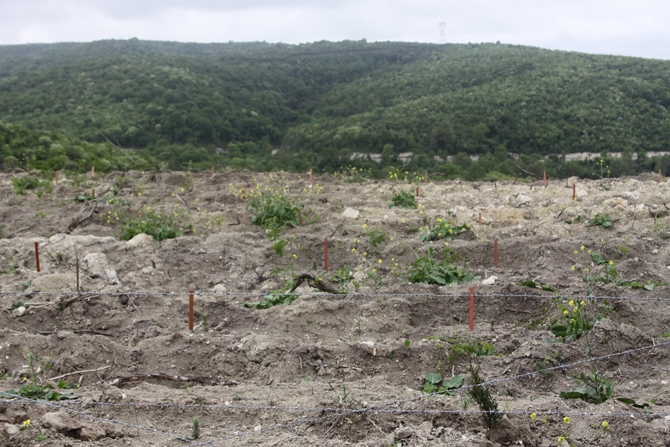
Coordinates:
[574,320]
[343,275]
[277,298]
[443,229]
[42,392]
[20,184]
[352,174]
[403,199]
[273,210]
[594,388]
[195,430]
[535,285]
[602,220]
[375,237]
[157,225]
[430,270]
[481,394]
[434,383]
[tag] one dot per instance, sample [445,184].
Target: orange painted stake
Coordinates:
[325,254]
[545,178]
[212,176]
[37,256]
[472,308]
[480,218]
[574,191]
[311,178]
[425,177]
[92,171]
[495,253]
[190,311]
[57,172]
[417,191]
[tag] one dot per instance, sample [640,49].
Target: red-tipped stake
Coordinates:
[92,171]
[545,178]
[495,253]
[311,178]
[57,172]
[212,176]
[325,254]
[480,218]
[190,311]
[37,256]
[472,308]
[574,191]
[417,192]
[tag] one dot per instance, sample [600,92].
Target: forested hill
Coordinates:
[181,101]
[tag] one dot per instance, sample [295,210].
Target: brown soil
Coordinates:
[301,374]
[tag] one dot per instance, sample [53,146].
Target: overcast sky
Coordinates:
[624,27]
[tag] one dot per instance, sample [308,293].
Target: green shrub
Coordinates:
[273,210]
[429,270]
[443,230]
[20,185]
[158,226]
[403,199]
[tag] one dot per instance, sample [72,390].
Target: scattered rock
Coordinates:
[219,288]
[524,199]
[140,241]
[55,282]
[351,213]
[402,433]
[490,280]
[11,429]
[19,311]
[580,193]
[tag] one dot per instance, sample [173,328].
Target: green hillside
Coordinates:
[234,104]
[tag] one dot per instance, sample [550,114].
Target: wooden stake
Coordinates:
[472,308]
[495,253]
[57,172]
[299,218]
[417,192]
[425,177]
[37,256]
[480,218]
[190,182]
[325,254]
[311,178]
[212,176]
[566,183]
[92,171]
[574,191]
[77,257]
[93,193]
[190,311]
[545,179]
[242,189]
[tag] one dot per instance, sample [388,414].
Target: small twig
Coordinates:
[373,423]
[80,372]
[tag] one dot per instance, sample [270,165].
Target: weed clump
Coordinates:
[429,269]
[403,199]
[443,229]
[273,210]
[159,226]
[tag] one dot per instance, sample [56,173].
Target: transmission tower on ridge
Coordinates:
[443,27]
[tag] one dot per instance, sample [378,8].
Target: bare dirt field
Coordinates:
[332,369]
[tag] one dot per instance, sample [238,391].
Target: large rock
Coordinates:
[63,422]
[55,282]
[140,241]
[351,213]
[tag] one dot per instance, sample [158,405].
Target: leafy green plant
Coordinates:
[273,210]
[277,298]
[157,225]
[480,392]
[443,229]
[602,220]
[353,174]
[342,275]
[434,383]
[375,237]
[195,430]
[573,322]
[21,184]
[535,285]
[43,392]
[403,199]
[593,388]
[428,269]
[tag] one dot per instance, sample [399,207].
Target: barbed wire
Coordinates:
[556,295]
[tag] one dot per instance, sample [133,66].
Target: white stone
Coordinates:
[219,288]
[20,311]
[11,429]
[139,241]
[581,193]
[522,198]
[490,280]
[351,213]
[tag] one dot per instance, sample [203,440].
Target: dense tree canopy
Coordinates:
[258,105]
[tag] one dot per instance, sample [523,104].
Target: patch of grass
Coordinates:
[602,220]
[157,225]
[343,275]
[21,184]
[428,269]
[273,210]
[277,298]
[403,199]
[443,229]
[375,237]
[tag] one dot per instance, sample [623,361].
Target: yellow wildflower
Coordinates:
[572,303]
[605,425]
[353,250]
[611,262]
[26,423]
[533,416]
[380,261]
[572,269]
[565,312]
[561,439]
[583,303]
[576,252]
[582,247]
[566,419]
[365,226]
